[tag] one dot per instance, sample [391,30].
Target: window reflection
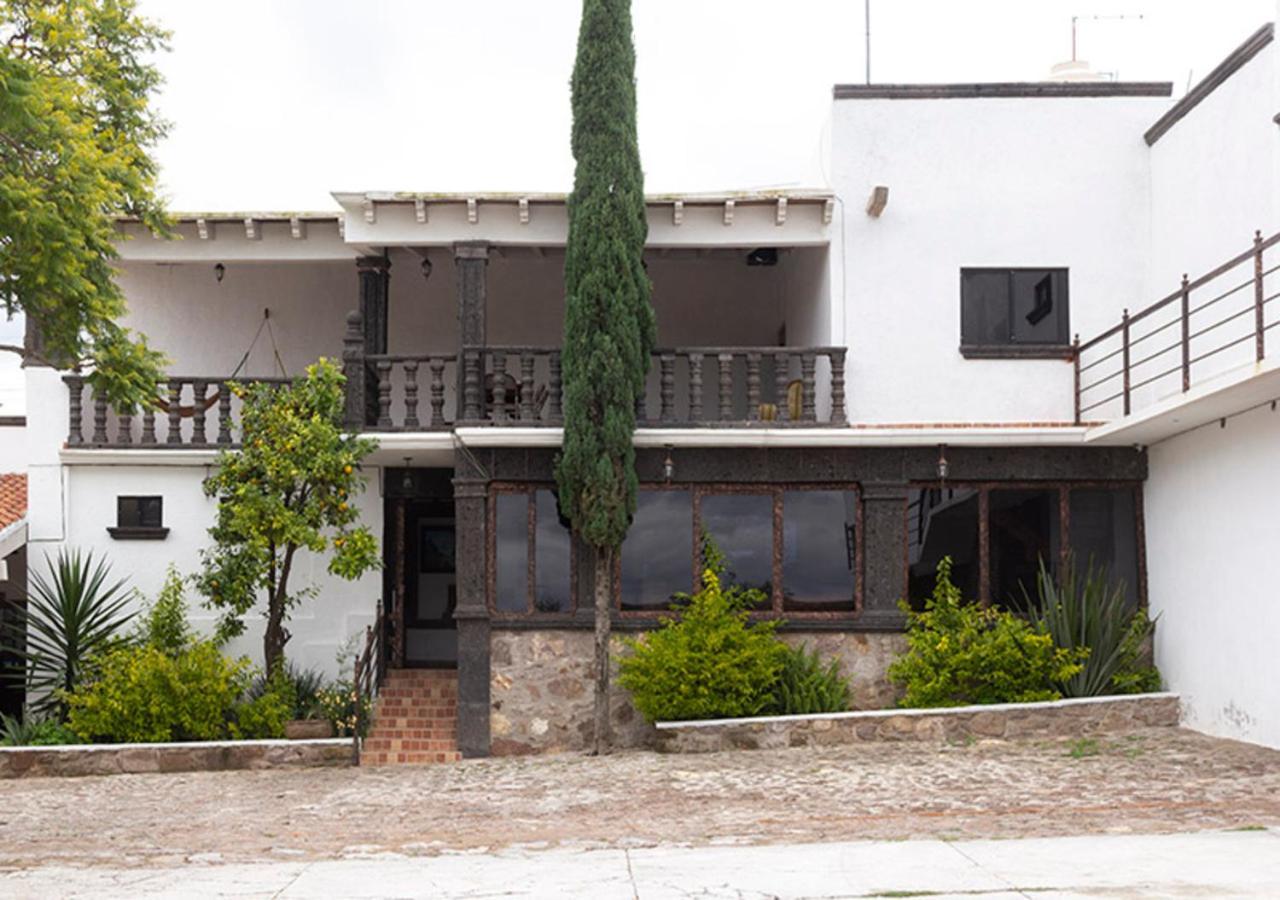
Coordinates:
[657,554]
[742,527]
[942,522]
[1025,529]
[552,555]
[511,559]
[819,550]
[1104,531]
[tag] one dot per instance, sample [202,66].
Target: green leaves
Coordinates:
[806,686]
[291,487]
[76,131]
[963,653]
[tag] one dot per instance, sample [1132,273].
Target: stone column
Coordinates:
[375,288]
[884,554]
[471,259]
[472,612]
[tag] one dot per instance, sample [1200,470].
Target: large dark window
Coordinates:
[819,551]
[1023,525]
[942,521]
[527,527]
[1006,312]
[741,525]
[657,554]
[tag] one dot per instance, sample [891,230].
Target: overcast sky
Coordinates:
[274,103]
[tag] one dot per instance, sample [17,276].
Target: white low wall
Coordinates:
[1211,525]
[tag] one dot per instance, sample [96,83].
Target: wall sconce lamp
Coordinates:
[426,267]
[944,468]
[668,466]
[219,272]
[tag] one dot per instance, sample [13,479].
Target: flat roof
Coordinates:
[999,89]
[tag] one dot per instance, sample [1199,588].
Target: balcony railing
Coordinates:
[189,412]
[1211,324]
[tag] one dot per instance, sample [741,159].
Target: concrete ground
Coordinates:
[1163,812]
[1204,864]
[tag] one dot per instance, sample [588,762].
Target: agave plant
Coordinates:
[71,614]
[1090,612]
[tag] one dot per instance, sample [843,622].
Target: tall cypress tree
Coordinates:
[609,325]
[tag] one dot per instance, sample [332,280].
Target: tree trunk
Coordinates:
[602,741]
[274,638]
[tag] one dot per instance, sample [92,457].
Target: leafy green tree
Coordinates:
[290,487]
[609,324]
[76,132]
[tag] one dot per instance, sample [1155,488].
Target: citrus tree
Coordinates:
[289,488]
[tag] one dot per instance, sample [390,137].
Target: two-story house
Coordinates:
[851,383]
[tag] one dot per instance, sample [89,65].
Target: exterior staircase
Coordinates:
[415,719]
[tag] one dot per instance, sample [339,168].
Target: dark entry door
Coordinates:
[430,590]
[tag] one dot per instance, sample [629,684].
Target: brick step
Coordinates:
[426,735]
[374,745]
[402,718]
[409,758]
[419,705]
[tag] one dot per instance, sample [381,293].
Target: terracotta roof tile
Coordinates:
[13,499]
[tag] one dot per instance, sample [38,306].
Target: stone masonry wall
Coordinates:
[541,686]
[1058,718]
[208,756]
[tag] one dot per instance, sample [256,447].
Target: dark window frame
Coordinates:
[776,490]
[491,555]
[1064,489]
[1013,349]
[139,531]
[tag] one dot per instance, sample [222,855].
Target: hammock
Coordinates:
[202,406]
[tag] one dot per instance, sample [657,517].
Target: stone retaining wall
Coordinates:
[541,686]
[210,756]
[1059,718]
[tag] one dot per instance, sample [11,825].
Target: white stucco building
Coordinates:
[931,356]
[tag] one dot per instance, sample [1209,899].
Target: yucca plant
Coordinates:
[807,686]
[1091,612]
[71,614]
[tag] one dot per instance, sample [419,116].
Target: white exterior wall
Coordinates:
[981,182]
[1211,530]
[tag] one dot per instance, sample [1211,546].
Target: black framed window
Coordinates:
[532,552]
[943,521]
[741,523]
[139,518]
[657,553]
[1014,312]
[819,550]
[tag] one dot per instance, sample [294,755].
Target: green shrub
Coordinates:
[707,662]
[33,730]
[962,653]
[164,625]
[144,694]
[263,714]
[1092,614]
[806,686]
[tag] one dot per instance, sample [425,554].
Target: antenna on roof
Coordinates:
[866,18]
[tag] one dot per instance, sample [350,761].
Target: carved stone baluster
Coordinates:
[75,411]
[838,414]
[99,417]
[753,387]
[499,386]
[695,388]
[528,412]
[124,428]
[355,413]
[149,421]
[781,378]
[199,389]
[384,393]
[411,395]
[726,386]
[224,413]
[555,412]
[808,396]
[437,391]
[642,412]
[472,392]
[174,435]
[667,387]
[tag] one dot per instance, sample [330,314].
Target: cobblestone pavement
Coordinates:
[1161,780]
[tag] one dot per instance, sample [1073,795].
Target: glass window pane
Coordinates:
[657,554]
[1040,307]
[984,305]
[551,555]
[511,563]
[742,527]
[1025,528]
[942,522]
[819,549]
[1104,531]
